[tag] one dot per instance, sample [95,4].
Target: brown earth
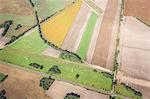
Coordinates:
[138,8]
[104,38]
[21,84]
[18,7]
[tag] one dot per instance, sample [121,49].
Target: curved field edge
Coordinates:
[56,28]
[85,41]
[69,70]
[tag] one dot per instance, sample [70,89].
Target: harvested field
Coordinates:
[56,28]
[21,84]
[59,89]
[30,42]
[139,9]
[86,38]
[76,31]
[105,35]
[135,49]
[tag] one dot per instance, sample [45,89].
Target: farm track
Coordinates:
[104,38]
[75,33]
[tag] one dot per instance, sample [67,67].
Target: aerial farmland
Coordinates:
[74,49]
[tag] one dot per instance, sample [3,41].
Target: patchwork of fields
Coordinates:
[56,28]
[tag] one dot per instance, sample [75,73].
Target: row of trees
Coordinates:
[137,93]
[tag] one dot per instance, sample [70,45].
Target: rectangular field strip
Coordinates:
[85,42]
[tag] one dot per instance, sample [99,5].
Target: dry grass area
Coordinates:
[138,8]
[18,7]
[101,52]
[21,84]
[59,89]
[51,52]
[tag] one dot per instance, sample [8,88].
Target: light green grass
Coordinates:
[122,90]
[68,69]
[31,42]
[48,7]
[84,44]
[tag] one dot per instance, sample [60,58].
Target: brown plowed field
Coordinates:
[104,38]
[138,8]
[21,84]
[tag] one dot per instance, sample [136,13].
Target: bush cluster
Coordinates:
[72,96]
[54,70]
[2,94]
[70,56]
[6,26]
[45,82]
[35,65]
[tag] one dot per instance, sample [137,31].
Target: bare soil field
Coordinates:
[21,84]
[59,89]
[105,35]
[76,31]
[135,49]
[21,7]
[138,8]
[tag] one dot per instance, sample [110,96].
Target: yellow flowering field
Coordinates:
[56,28]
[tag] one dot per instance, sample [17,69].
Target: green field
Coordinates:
[69,70]
[84,44]
[31,42]
[27,50]
[2,77]
[122,90]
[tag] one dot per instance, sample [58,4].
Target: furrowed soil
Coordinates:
[104,38]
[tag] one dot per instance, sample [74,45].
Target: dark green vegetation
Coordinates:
[85,42]
[45,83]
[72,96]
[127,91]
[2,94]
[35,65]
[2,77]
[54,70]
[6,26]
[70,56]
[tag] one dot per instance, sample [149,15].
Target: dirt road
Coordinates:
[104,38]
[21,84]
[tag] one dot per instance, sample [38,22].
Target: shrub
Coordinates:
[77,76]
[2,94]
[55,70]
[72,96]
[45,83]
[37,66]
[70,56]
